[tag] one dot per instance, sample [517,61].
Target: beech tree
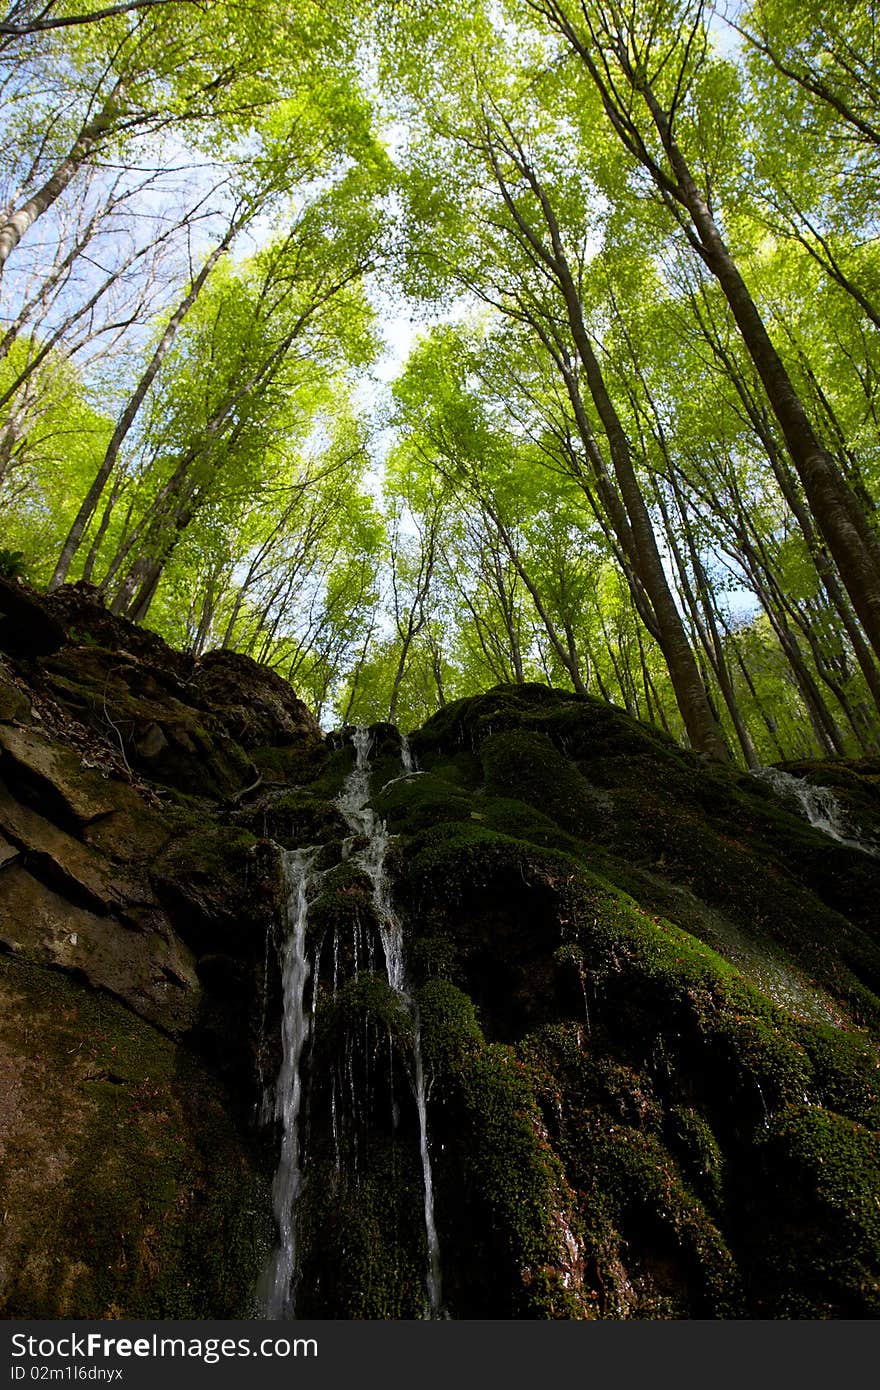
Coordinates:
[635,448]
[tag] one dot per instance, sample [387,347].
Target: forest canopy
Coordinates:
[411,348]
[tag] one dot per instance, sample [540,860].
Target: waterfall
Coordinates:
[434,1306]
[818,804]
[353,802]
[408,763]
[278,1284]
[406,756]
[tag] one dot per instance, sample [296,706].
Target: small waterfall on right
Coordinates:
[818,804]
[353,802]
[330,1079]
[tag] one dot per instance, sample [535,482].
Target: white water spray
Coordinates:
[818,804]
[278,1285]
[353,802]
[433,1278]
[406,754]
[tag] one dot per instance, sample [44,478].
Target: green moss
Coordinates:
[433,957]
[448,1026]
[454,858]
[523,822]
[344,904]
[846,1072]
[720,833]
[417,803]
[638,1200]
[691,1139]
[363,1236]
[497,1177]
[821,1245]
[528,767]
[460,768]
[334,769]
[221,887]
[516,1179]
[365,1001]
[654,979]
[292,763]
[154,1219]
[298,818]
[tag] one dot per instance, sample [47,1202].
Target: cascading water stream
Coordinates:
[818,804]
[434,1277]
[278,1285]
[406,755]
[353,802]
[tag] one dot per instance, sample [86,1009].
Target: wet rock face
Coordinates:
[132,932]
[686,975]
[648,1003]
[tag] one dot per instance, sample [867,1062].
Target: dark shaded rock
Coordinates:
[28,628]
[149,971]
[126,1185]
[255,704]
[145,1063]
[53,776]
[61,860]
[222,888]
[15,707]
[682,975]
[80,608]
[645,994]
[151,719]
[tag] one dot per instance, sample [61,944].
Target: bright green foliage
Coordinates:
[474,527]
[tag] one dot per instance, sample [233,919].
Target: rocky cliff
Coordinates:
[632,1046]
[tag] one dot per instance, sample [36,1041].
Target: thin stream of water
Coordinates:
[818,804]
[277,1290]
[353,802]
[277,1293]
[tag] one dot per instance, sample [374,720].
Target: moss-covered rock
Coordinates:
[222,887]
[637,1037]
[135,1200]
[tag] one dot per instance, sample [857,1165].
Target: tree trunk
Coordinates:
[702,728]
[127,418]
[839,515]
[14,228]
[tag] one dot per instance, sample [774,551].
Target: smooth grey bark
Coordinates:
[15,226]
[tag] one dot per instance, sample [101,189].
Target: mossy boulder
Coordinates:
[635,1042]
[221,887]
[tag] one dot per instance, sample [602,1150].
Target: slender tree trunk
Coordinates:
[700,723]
[540,607]
[15,226]
[768,721]
[839,515]
[98,538]
[824,727]
[129,414]
[702,728]
[704,620]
